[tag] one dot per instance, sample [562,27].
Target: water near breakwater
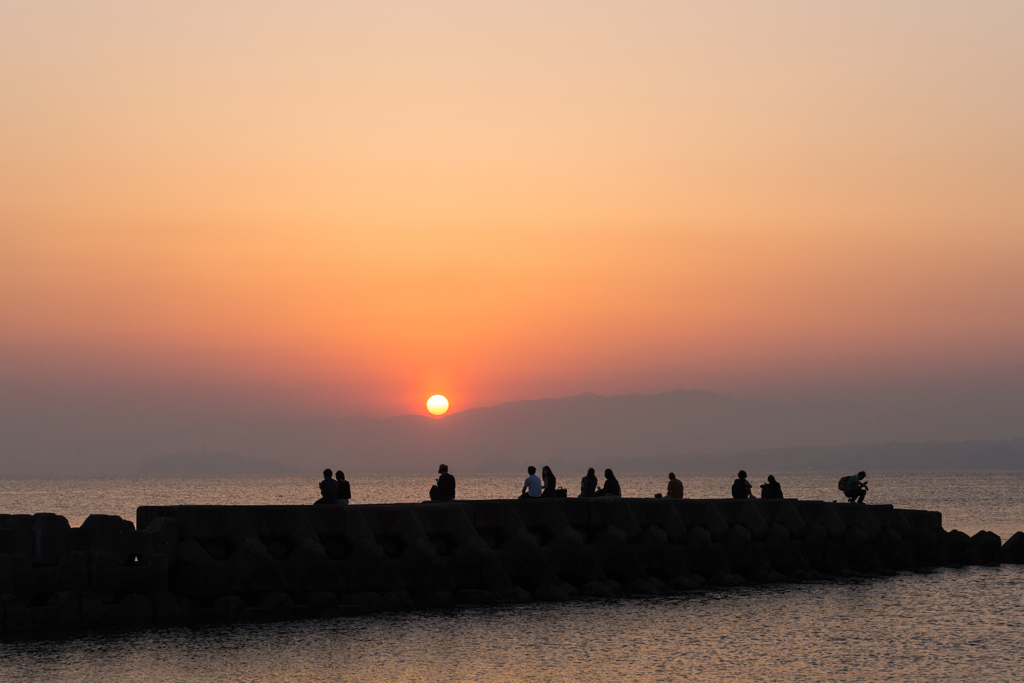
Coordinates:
[201,563]
[947,624]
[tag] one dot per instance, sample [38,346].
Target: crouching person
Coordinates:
[857,487]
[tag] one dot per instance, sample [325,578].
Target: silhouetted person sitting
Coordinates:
[548,477]
[772,489]
[328,490]
[531,487]
[741,487]
[344,490]
[445,487]
[675,486]
[588,485]
[611,486]
[857,487]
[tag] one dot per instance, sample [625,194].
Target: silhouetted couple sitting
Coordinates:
[590,489]
[334,492]
[535,487]
[741,488]
[444,489]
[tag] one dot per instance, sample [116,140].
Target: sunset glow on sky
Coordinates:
[316,209]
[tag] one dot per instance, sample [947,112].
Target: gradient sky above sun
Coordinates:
[345,209]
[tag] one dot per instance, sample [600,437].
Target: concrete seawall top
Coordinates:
[494,521]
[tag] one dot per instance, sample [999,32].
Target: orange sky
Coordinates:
[350,209]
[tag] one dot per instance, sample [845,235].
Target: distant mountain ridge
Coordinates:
[893,456]
[591,430]
[695,429]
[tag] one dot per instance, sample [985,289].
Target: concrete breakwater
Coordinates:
[187,564]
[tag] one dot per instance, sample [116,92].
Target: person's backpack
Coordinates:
[842,483]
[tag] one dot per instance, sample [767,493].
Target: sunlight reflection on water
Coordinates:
[950,625]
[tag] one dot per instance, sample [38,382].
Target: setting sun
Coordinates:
[437,404]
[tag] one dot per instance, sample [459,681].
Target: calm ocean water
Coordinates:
[954,624]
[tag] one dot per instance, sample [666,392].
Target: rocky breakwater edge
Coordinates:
[195,564]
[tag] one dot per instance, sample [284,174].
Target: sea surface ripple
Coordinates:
[951,625]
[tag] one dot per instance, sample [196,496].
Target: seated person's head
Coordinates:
[771,478]
[531,470]
[443,469]
[742,474]
[341,476]
[862,475]
[590,472]
[671,475]
[328,473]
[608,474]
